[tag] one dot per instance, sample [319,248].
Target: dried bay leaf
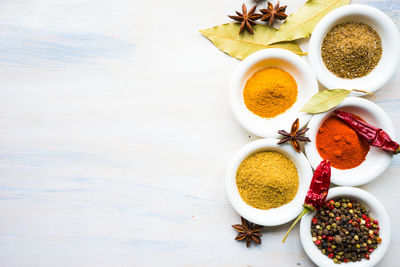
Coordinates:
[325,100]
[301,23]
[227,39]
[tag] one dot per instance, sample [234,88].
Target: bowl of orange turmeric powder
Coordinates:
[268,89]
[353,161]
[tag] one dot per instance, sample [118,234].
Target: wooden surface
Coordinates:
[115,133]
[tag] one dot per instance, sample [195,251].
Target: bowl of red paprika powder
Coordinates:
[353,161]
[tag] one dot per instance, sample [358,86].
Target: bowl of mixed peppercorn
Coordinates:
[352,228]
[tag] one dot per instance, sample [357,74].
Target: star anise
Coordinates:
[273,12]
[249,231]
[295,136]
[247,19]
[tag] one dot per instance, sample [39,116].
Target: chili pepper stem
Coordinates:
[397,151]
[305,211]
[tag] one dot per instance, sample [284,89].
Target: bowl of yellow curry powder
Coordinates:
[268,89]
[267,183]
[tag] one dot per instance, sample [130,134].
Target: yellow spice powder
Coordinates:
[270,92]
[267,180]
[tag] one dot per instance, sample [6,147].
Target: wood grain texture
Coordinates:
[115,132]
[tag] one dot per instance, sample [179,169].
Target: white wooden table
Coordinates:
[115,132]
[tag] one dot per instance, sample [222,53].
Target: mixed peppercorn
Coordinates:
[343,230]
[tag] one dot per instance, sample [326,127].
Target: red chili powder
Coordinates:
[340,144]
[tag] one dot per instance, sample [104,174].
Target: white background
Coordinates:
[115,133]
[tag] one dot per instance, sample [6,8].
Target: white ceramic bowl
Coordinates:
[307,86]
[380,22]
[377,211]
[278,215]
[376,160]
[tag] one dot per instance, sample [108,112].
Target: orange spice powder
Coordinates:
[340,144]
[270,92]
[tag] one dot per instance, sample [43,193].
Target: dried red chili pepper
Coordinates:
[317,192]
[374,136]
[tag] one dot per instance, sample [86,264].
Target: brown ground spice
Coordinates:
[351,50]
[267,180]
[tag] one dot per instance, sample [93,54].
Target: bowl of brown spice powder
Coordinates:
[266,183]
[355,47]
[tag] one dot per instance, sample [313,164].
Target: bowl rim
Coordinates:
[271,217]
[341,177]
[259,126]
[368,200]
[329,80]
